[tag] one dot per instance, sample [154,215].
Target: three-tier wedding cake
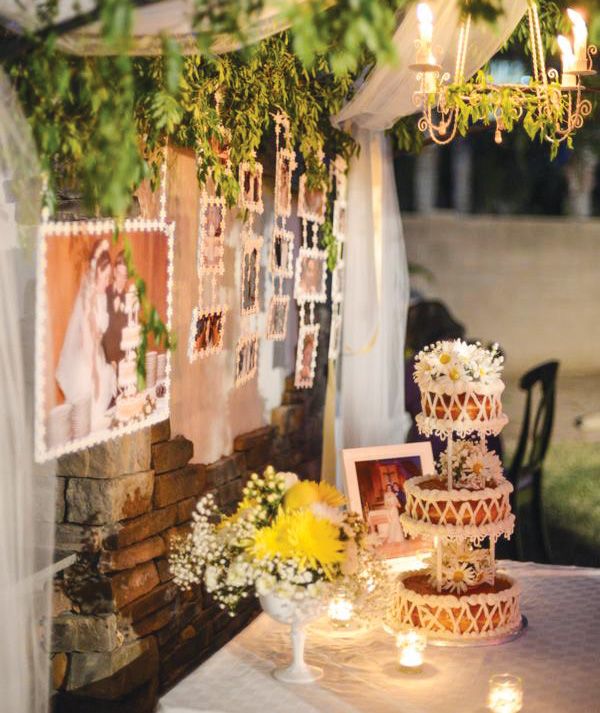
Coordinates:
[464,507]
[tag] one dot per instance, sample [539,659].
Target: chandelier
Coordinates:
[550,104]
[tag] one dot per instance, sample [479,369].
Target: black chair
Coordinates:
[530,541]
[428,321]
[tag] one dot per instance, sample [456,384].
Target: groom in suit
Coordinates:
[117,318]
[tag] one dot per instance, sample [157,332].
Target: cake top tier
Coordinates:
[453,367]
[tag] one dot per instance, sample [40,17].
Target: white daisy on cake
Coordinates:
[458,578]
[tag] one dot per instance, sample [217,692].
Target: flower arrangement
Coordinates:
[451,365]
[473,466]
[288,537]
[464,566]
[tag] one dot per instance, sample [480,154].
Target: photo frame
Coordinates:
[281,258]
[211,244]
[277,317]
[87,389]
[312,203]
[250,178]
[207,330]
[311,275]
[340,226]
[337,282]
[284,169]
[306,356]
[374,483]
[250,277]
[246,359]
[335,336]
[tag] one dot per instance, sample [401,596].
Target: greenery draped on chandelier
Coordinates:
[98,121]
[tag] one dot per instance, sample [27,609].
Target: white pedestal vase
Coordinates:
[296,614]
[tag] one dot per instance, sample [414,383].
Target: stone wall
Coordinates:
[122,631]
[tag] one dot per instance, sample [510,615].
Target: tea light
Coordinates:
[411,648]
[340,611]
[505,693]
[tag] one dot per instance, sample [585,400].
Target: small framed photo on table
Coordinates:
[375,480]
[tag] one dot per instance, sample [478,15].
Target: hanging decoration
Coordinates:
[550,105]
[250,200]
[281,256]
[310,284]
[208,322]
[104,303]
[340,210]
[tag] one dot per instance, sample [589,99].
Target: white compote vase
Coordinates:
[296,613]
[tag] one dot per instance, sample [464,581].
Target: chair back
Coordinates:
[526,469]
[428,321]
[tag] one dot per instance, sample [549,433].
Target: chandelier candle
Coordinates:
[569,80]
[425,20]
[580,36]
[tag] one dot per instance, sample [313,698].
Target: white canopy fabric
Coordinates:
[386,95]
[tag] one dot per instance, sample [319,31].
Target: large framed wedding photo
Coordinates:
[375,480]
[89,333]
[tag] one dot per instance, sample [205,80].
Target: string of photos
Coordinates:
[281,257]
[208,320]
[251,202]
[103,320]
[310,285]
[340,210]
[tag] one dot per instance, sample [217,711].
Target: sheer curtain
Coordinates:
[376,301]
[26,496]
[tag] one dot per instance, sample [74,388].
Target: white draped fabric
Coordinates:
[387,93]
[26,497]
[376,301]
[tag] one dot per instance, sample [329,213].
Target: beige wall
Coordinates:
[532,284]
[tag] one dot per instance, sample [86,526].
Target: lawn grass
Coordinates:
[571,499]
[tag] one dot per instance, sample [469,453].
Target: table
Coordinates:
[558,658]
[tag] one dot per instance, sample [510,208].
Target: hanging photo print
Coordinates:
[206,333]
[251,187]
[311,275]
[312,202]
[335,335]
[339,220]
[282,253]
[284,168]
[211,243]
[89,333]
[277,317]
[337,283]
[306,356]
[246,359]
[250,274]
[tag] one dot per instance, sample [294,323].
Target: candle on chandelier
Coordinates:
[340,611]
[411,646]
[505,694]
[569,80]
[425,20]
[580,37]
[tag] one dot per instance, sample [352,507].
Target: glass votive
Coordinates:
[340,611]
[505,693]
[411,646]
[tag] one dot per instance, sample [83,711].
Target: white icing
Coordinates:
[417,528]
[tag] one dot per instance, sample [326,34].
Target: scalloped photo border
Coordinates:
[256,173]
[250,243]
[244,371]
[301,294]
[278,302]
[304,211]
[284,185]
[304,376]
[337,283]
[57,229]
[340,220]
[287,238]
[335,336]
[203,267]
[194,354]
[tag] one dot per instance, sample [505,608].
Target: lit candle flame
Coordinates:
[566,51]
[580,34]
[425,19]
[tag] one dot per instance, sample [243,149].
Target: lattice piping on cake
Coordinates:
[463,413]
[435,611]
[419,528]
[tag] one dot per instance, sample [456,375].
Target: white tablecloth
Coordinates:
[558,658]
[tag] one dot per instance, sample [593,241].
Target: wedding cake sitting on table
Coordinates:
[463,508]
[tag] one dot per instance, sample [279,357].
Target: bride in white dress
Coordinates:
[390,501]
[83,372]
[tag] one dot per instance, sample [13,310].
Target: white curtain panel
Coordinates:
[26,497]
[387,93]
[376,301]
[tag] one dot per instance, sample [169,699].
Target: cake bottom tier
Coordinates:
[483,611]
